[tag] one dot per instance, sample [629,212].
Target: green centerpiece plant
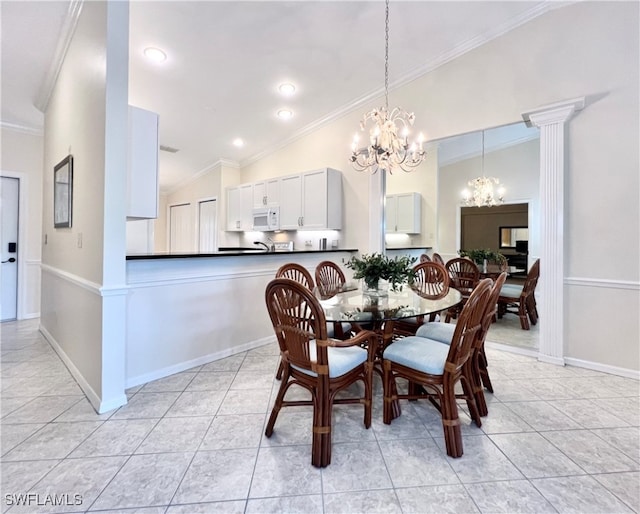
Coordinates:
[479,255]
[375,267]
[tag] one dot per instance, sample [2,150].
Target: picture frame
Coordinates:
[63,192]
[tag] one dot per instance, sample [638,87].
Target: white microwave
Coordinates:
[266,219]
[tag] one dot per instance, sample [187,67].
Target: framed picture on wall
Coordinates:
[63,192]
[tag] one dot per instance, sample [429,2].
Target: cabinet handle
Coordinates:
[302,221]
[264,200]
[237,224]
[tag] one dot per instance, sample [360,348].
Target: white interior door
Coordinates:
[9,193]
[181,228]
[207,226]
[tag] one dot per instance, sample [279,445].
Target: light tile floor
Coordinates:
[555,440]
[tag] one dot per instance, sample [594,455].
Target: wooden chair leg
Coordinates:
[451,422]
[478,392]
[468,388]
[368,396]
[522,313]
[280,369]
[484,371]
[277,405]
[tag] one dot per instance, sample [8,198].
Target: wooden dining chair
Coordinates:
[329,278]
[433,369]
[431,281]
[521,298]
[443,332]
[464,275]
[300,274]
[425,258]
[312,360]
[436,257]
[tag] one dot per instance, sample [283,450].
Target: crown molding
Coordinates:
[413,74]
[64,40]
[23,129]
[182,183]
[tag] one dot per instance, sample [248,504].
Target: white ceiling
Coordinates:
[226,59]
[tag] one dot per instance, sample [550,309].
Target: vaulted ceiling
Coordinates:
[226,59]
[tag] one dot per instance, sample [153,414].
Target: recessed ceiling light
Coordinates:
[286,89]
[155,54]
[238,142]
[285,114]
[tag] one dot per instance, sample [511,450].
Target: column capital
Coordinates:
[554,113]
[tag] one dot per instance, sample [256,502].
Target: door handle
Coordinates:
[10,259]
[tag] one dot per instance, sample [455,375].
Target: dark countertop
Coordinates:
[409,247]
[238,253]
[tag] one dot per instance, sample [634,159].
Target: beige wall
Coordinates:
[83,309]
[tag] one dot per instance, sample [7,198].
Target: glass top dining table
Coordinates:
[351,304]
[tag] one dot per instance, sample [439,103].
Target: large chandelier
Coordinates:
[482,192]
[389,148]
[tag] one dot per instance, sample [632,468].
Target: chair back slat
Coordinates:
[464,274]
[297,319]
[431,280]
[296,272]
[532,278]
[467,326]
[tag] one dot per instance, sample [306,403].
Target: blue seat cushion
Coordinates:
[511,290]
[418,353]
[346,328]
[441,332]
[341,360]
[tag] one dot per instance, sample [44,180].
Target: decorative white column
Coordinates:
[377,202]
[551,121]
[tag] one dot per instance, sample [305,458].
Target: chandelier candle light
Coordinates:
[482,193]
[389,148]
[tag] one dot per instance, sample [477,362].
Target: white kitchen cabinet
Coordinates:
[322,199]
[239,208]
[142,165]
[291,202]
[403,213]
[311,200]
[266,193]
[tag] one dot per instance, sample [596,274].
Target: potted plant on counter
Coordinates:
[376,267]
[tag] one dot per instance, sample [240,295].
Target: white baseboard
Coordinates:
[578,363]
[206,359]
[31,315]
[604,368]
[98,404]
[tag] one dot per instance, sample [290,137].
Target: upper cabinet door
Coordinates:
[391,214]
[403,213]
[142,172]
[291,204]
[314,202]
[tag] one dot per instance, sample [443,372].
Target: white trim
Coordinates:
[552,120]
[181,279]
[23,129]
[23,209]
[67,31]
[98,404]
[74,279]
[205,359]
[599,282]
[604,368]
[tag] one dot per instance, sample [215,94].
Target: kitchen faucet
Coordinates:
[268,248]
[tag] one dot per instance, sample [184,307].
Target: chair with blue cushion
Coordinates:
[431,281]
[310,359]
[521,298]
[443,332]
[433,369]
[329,279]
[464,275]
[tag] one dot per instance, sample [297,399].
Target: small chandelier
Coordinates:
[482,194]
[389,148]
